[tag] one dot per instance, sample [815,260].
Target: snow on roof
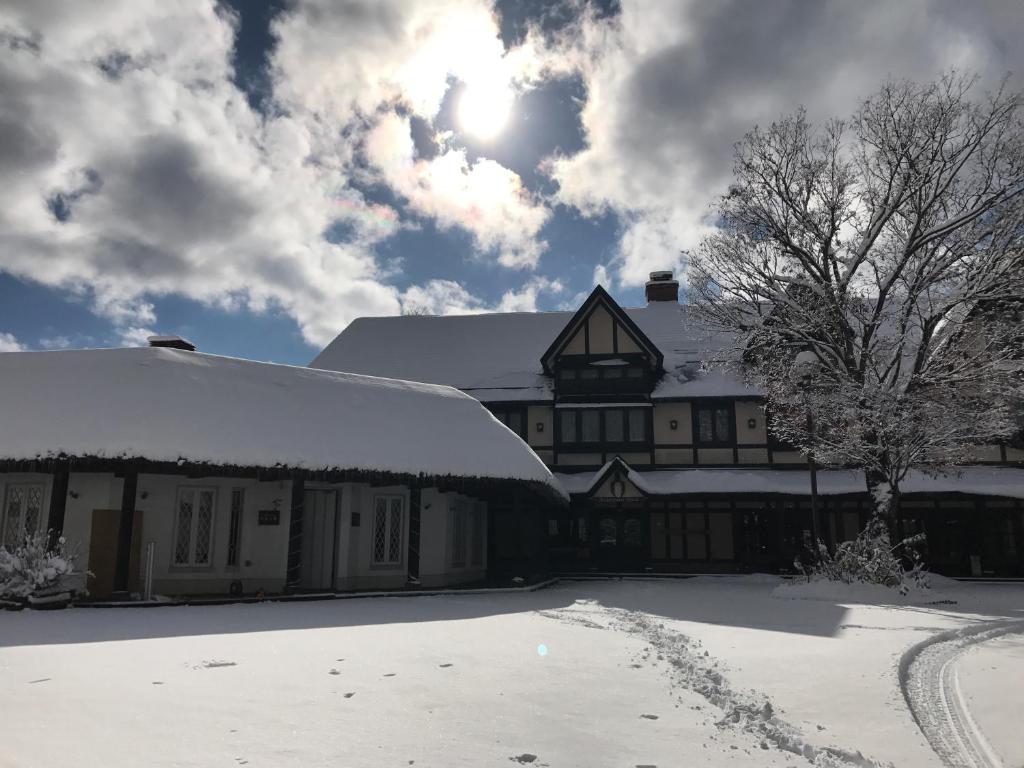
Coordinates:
[985,481]
[497,357]
[165,404]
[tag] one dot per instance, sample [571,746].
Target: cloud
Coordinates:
[447,297]
[9,344]
[672,85]
[134,167]
[483,197]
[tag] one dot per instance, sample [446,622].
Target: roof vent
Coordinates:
[171,342]
[662,287]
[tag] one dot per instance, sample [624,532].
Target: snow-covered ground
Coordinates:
[701,672]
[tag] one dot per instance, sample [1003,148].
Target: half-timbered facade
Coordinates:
[668,459]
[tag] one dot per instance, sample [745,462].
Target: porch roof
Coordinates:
[980,480]
[174,406]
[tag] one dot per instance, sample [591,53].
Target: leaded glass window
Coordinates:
[193,521]
[388,522]
[22,513]
[714,424]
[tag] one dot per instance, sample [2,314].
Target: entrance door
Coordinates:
[620,540]
[319,539]
[103,537]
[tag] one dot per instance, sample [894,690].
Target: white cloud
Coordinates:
[135,336]
[9,344]
[447,297]
[133,166]
[484,198]
[672,85]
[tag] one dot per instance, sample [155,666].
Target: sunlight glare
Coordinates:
[484,109]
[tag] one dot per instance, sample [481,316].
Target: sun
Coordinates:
[484,110]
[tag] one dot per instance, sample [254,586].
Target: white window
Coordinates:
[388,520]
[459,524]
[193,526]
[22,513]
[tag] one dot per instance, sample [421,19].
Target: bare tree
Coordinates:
[872,271]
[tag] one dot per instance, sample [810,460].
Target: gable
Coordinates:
[600,327]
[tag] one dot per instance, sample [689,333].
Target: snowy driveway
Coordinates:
[700,672]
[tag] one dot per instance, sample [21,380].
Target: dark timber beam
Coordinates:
[293,574]
[58,503]
[415,525]
[124,533]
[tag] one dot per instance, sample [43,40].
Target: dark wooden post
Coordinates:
[415,525]
[124,532]
[293,573]
[58,503]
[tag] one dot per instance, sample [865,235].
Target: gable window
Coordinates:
[388,520]
[21,514]
[714,423]
[625,426]
[193,526]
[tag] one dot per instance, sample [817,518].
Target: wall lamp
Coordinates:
[673,424]
[751,423]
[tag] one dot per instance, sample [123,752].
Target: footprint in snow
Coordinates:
[390,674]
[524,758]
[444,665]
[649,717]
[334,672]
[158,682]
[216,664]
[350,694]
[40,680]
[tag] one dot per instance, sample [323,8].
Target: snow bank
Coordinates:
[861,592]
[170,405]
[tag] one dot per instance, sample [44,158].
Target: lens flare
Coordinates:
[542,650]
[484,109]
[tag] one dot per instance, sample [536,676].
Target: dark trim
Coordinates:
[599,294]
[293,570]
[122,566]
[415,525]
[58,503]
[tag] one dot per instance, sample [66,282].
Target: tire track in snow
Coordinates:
[931,687]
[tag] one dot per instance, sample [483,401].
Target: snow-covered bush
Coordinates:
[870,559]
[33,570]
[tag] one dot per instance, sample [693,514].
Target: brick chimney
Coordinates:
[662,287]
[171,342]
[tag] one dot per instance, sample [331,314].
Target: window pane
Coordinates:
[182,543]
[204,528]
[395,534]
[590,426]
[33,508]
[568,426]
[632,533]
[515,422]
[637,426]
[609,531]
[705,430]
[722,418]
[613,427]
[12,527]
[380,529]
[588,373]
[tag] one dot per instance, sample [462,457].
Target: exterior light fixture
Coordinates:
[540,426]
[751,423]
[673,424]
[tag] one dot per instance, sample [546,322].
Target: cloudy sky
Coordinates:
[255,174]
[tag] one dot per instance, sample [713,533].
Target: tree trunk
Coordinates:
[884,496]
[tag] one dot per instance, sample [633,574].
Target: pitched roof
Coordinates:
[497,357]
[171,405]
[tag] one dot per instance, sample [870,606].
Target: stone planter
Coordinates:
[52,602]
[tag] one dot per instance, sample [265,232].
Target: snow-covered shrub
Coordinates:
[870,559]
[33,570]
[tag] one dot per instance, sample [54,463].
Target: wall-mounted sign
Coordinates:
[269,517]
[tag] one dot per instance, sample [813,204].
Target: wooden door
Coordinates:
[103,552]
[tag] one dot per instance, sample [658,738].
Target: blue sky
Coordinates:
[254,175]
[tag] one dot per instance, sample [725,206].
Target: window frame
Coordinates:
[713,406]
[195,490]
[26,486]
[503,414]
[236,515]
[389,498]
[603,443]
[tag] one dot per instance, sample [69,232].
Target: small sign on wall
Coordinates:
[269,517]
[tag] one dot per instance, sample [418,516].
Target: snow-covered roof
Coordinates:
[985,481]
[497,357]
[171,405]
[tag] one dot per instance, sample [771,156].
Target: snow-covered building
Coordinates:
[667,458]
[254,476]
